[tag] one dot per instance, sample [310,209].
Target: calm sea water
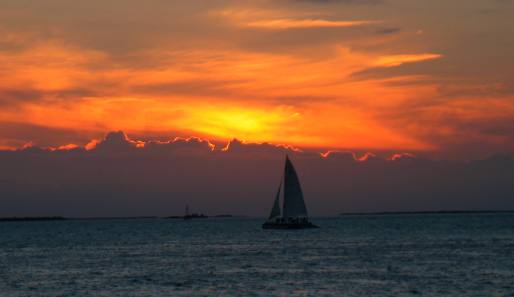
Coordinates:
[393,255]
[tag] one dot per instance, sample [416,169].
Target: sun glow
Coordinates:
[257,124]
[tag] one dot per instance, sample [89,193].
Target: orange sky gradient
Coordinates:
[313,74]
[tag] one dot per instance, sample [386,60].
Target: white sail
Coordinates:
[275,210]
[294,205]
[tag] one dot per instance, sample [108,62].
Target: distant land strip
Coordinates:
[14,219]
[59,218]
[116,218]
[424,212]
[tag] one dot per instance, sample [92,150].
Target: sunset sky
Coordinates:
[427,77]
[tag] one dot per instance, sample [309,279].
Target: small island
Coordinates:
[188,215]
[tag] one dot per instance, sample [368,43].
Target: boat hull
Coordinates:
[289,226]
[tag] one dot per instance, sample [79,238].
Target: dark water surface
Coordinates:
[391,255]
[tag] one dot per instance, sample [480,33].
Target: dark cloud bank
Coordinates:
[122,177]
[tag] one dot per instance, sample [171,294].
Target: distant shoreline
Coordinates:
[25,219]
[380,213]
[60,218]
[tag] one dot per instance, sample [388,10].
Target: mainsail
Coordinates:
[275,210]
[294,205]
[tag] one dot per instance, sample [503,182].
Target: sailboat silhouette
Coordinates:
[294,212]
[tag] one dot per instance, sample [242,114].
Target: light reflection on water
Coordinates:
[394,255]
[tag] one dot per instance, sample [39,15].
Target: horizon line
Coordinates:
[379,213]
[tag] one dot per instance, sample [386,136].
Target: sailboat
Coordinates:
[294,212]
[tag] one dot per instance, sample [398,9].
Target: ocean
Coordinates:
[365,255]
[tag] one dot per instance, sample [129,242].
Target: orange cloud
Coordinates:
[92,144]
[238,72]
[244,101]
[67,147]
[397,60]
[292,98]
[400,156]
[304,23]
[367,156]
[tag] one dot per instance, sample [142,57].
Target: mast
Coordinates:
[294,205]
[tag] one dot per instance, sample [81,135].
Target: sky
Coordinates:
[126,108]
[432,78]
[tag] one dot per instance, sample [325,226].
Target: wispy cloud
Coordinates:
[397,60]
[279,24]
